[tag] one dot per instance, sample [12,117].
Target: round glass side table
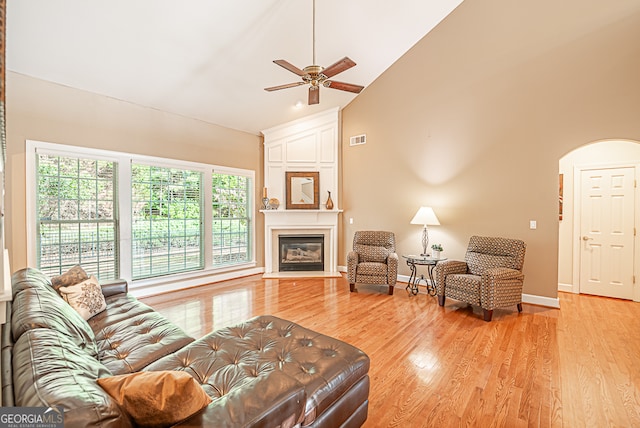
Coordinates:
[413,262]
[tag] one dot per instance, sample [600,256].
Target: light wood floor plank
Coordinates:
[435,366]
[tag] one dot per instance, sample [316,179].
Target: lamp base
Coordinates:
[425,241]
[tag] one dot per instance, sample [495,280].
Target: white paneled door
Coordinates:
[607,232]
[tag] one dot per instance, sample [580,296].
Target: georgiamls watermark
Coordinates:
[31,417]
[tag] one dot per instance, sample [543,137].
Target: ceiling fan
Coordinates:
[315,75]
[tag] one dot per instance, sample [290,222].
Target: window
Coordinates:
[166,220]
[230,219]
[136,217]
[77,222]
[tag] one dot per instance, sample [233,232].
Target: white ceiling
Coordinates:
[212,59]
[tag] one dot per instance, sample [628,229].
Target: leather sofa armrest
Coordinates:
[444,268]
[6,361]
[114,286]
[272,400]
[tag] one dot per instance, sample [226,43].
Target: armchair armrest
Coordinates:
[500,273]
[500,286]
[352,262]
[392,269]
[444,268]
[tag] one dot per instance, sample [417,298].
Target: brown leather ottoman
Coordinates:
[334,374]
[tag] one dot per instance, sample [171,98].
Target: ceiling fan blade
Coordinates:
[340,66]
[343,86]
[288,85]
[314,95]
[292,68]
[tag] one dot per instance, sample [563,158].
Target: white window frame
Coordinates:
[123,161]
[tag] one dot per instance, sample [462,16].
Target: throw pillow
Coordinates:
[161,398]
[86,297]
[73,276]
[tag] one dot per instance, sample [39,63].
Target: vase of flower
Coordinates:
[329,203]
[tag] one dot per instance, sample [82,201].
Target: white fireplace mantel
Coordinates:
[281,222]
[303,145]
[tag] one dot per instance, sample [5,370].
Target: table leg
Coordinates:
[431,286]
[412,286]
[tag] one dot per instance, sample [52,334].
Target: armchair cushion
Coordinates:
[371,253]
[487,252]
[372,269]
[479,263]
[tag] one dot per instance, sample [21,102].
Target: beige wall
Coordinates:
[39,110]
[474,119]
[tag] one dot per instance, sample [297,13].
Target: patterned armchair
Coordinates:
[373,259]
[490,277]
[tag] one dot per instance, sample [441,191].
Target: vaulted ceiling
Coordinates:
[212,59]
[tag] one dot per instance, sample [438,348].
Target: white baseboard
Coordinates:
[567,288]
[551,302]
[174,285]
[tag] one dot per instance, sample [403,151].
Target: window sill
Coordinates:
[168,283]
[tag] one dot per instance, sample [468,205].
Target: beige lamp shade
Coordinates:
[425,216]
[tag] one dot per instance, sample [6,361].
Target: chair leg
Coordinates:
[352,287]
[519,307]
[441,300]
[487,314]
[391,288]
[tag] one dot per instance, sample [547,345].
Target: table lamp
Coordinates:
[426,217]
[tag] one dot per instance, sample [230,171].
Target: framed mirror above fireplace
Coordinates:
[302,190]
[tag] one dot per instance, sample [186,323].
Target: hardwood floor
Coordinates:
[431,366]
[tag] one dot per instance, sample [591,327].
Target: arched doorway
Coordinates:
[608,155]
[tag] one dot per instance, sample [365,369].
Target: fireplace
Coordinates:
[301,252]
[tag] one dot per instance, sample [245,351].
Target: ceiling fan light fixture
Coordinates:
[313,69]
[316,75]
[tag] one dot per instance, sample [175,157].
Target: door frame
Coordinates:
[577,215]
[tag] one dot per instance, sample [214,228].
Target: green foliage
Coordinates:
[166,204]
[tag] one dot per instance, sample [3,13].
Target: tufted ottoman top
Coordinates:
[232,357]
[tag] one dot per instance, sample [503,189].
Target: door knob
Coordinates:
[586,238]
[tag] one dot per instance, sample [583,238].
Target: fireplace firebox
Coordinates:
[301,252]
